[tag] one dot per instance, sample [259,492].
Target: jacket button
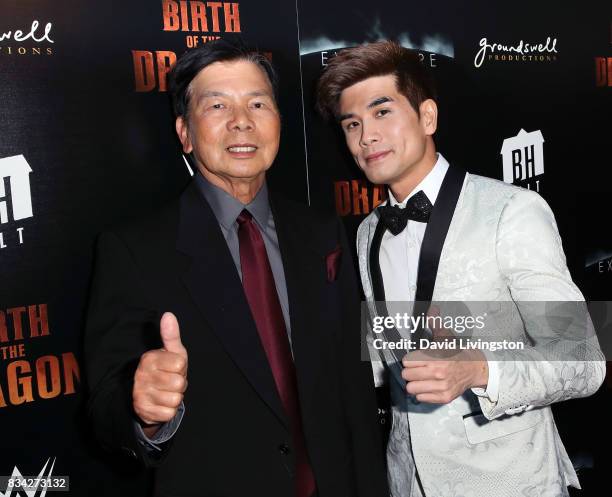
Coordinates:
[284,449]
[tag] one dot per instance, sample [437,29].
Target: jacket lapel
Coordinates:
[214,284]
[436,231]
[378,288]
[433,241]
[303,247]
[429,259]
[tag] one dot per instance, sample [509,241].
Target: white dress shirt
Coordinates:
[399,259]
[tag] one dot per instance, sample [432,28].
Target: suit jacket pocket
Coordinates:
[479,429]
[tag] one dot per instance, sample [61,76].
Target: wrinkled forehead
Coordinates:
[240,72]
[238,77]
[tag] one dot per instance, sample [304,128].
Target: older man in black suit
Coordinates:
[258,293]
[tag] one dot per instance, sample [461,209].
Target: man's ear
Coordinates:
[183,134]
[429,116]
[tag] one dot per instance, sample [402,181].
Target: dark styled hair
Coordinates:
[382,58]
[193,61]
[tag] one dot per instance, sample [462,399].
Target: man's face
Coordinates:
[233,124]
[383,132]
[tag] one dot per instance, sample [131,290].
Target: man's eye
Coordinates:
[352,125]
[382,112]
[259,105]
[217,106]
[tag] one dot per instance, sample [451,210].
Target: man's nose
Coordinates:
[241,120]
[369,135]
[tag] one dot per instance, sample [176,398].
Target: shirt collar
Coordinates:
[430,184]
[226,208]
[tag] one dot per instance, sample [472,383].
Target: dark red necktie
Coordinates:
[260,290]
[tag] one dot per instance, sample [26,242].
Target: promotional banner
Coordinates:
[87,140]
[522,92]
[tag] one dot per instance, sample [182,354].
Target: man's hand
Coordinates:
[439,381]
[436,378]
[161,378]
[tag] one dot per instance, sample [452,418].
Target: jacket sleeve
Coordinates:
[121,325]
[562,358]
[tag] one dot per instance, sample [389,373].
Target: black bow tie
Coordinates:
[418,208]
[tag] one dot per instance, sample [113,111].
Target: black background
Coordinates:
[100,152]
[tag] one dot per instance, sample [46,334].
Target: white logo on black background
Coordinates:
[428,47]
[38,486]
[19,197]
[19,41]
[18,170]
[519,52]
[523,157]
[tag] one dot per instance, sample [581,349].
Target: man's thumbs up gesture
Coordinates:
[161,378]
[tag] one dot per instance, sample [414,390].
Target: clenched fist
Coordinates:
[432,379]
[440,382]
[161,378]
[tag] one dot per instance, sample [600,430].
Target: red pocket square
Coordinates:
[332,263]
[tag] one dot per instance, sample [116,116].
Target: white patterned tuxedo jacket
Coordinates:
[502,245]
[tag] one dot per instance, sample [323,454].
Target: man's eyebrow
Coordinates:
[259,93]
[373,103]
[379,101]
[211,93]
[215,93]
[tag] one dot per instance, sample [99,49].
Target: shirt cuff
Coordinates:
[492,390]
[165,432]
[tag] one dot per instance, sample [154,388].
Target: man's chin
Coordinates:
[378,174]
[246,169]
[378,179]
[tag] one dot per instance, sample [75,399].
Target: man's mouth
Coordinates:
[241,149]
[377,156]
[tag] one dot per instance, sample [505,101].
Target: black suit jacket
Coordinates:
[234,438]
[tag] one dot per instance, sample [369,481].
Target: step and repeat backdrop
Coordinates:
[87,139]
